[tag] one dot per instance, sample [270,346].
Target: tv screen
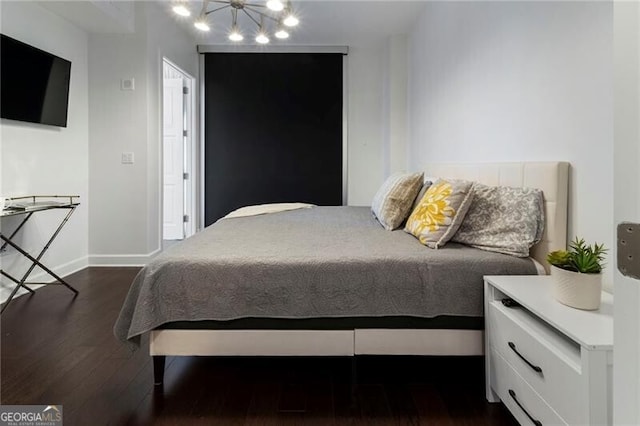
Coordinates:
[34,84]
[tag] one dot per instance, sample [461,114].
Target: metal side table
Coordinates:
[27,206]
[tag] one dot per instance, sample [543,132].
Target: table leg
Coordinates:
[23,285]
[38,263]
[15,231]
[14,291]
[35,261]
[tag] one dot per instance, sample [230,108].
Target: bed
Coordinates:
[330,281]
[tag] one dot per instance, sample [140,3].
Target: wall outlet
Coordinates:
[127,158]
[629,249]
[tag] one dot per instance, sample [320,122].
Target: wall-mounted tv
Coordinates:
[34,84]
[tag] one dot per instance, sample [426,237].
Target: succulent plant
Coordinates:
[581,257]
[559,258]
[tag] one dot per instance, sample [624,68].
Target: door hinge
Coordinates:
[185,90]
[629,249]
[185,218]
[185,133]
[185,176]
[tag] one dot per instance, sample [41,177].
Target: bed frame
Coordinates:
[551,177]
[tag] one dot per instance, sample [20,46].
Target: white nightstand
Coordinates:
[549,364]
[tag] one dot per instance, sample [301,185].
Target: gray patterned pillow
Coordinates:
[392,203]
[503,219]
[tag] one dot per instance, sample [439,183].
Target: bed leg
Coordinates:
[158,369]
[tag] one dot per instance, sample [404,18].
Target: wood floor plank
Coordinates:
[59,349]
[263,408]
[431,409]
[319,397]
[401,404]
[374,406]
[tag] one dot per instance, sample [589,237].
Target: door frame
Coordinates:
[626,140]
[190,154]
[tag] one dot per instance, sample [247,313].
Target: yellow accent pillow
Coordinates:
[440,212]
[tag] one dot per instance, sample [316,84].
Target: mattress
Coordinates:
[321,262]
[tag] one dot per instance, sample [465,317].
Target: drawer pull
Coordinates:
[534,367]
[512,394]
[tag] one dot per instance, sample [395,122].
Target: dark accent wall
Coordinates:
[273,130]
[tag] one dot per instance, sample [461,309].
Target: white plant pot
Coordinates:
[582,291]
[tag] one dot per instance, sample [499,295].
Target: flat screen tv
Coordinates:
[34,84]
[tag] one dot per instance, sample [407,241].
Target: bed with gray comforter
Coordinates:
[322,262]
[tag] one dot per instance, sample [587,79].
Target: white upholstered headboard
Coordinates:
[551,177]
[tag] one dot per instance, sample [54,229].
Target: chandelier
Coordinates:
[274,15]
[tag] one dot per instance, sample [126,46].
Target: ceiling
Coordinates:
[332,22]
[99,16]
[326,22]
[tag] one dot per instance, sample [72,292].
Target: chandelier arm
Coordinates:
[215,10]
[254,5]
[252,18]
[234,16]
[203,12]
[219,1]
[262,14]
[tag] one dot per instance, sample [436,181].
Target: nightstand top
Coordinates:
[591,329]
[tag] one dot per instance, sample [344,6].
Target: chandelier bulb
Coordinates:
[291,20]
[275,5]
[181,9]
[201,25]
[235,34]
[282,34]
[262,38]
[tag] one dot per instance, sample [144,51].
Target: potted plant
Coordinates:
[577,274]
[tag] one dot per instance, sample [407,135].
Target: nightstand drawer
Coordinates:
[523,402]
[549,363]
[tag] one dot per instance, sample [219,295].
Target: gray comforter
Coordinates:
[308,263]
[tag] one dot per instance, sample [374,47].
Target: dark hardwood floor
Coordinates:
[61,350]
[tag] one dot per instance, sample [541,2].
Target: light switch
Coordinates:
[127,158]
[127,84]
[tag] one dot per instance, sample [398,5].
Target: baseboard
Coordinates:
[41,276]
[61,270]
[115,260]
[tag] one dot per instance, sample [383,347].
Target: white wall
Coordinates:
[627,208]
[365,123]
[125,223]
[395,132]
[39,159]
[519,81]
[118,123]
[377,115]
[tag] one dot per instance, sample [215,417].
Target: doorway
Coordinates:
[178,141]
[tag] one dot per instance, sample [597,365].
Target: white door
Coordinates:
[173,146]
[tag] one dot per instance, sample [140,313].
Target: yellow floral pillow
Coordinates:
[440,212]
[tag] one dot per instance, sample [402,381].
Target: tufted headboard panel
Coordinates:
[551,177]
